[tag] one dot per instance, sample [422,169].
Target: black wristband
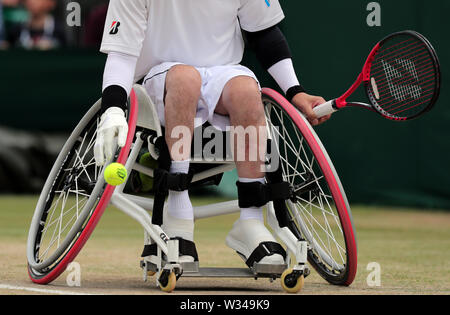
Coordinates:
[114,96]
[294,91]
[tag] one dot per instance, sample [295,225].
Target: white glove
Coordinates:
[112,130]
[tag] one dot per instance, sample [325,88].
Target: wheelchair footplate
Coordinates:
[192,270]
[292,279]
[257,271]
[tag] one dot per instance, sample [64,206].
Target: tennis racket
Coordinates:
[401,77]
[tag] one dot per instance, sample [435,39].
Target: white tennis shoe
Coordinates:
[181,228]
[247,235]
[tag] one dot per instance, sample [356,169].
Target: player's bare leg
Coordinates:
[183,84]
[241,100]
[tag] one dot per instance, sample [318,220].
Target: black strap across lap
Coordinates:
[185,248]
[265,249]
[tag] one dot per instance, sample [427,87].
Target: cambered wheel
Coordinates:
[73,199]
[319,211]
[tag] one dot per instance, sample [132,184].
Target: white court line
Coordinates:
[59,292]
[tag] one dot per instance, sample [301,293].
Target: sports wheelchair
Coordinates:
[314,224]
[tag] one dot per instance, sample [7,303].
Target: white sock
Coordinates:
[179,204]
[253,212]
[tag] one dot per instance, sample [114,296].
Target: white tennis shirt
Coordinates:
[200,33]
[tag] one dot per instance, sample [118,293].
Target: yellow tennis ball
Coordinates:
[115,174]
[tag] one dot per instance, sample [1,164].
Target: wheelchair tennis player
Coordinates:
[188,54]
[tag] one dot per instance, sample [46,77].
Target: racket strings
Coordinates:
[403,74]
[401,94]
[419,56]
[392,52]
[426,71]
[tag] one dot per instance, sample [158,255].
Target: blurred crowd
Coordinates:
[42,24]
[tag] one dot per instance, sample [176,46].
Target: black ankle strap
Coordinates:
[265,249]
[185,247]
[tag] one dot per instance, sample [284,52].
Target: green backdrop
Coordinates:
[379,162]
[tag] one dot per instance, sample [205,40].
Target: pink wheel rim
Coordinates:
[333,185]
[101,206]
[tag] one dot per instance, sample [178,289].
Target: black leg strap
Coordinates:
[276,176]
[257,194]
[160,195]
[165,181]
[185,248]
[265,249]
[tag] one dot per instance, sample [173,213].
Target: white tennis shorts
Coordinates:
[214,80]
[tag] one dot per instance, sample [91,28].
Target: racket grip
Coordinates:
[325,109]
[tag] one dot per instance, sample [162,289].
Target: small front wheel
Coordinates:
[292,281]
[167,281]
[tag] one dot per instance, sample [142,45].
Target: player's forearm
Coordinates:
[273,52]
[118,79]
[284,74]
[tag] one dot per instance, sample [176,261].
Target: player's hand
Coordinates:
[305,103]
[112,131]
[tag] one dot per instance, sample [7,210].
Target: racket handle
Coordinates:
[325,109]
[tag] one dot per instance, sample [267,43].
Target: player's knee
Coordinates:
[244,99]
[185,79]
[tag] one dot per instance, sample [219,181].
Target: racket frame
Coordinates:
[364,78]
[436,66]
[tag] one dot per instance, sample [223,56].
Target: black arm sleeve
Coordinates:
[114,96]
[270,46]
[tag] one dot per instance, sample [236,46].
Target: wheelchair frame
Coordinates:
[137,207]
[298,249]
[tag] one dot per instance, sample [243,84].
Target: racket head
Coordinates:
[402,76]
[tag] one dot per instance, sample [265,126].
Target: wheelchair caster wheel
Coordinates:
[167,281]
[292,281]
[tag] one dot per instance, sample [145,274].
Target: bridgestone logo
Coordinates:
[115,28]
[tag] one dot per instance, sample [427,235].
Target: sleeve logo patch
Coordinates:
[115,28]
[268,3]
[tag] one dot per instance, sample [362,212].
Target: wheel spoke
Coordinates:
[314,212]
[286,166]
[68,205]
[61,224]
